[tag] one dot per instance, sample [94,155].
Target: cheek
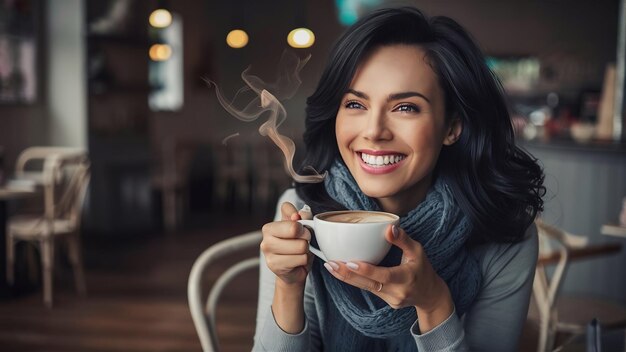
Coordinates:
[343,132]
[427,141]
[418,136]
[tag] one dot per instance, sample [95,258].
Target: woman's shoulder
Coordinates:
[497,259]
[290,196]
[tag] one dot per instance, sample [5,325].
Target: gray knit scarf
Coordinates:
[442,229]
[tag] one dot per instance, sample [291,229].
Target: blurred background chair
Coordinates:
[172,178]
[564,314]
[270,179]
[64,175]
[204,312]
[232,173]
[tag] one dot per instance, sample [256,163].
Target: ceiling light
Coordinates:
[301,38]
[237,39]
[160,18]
[160,52]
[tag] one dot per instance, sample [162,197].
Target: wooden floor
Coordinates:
[137,299]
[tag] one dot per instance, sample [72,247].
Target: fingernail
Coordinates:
[306,208]
[328,267]
[352,266]
[334,265]
[395,232]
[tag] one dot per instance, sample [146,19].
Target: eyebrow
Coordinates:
[391,97]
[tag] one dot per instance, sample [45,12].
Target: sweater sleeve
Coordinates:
[447,336]
[273,338]
[495,319]
[268,335]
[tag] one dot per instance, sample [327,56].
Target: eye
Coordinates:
[353,105]
[408,108]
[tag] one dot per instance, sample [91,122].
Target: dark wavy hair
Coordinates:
[497,184]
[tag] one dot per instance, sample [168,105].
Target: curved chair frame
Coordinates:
[203,314]
[546,289]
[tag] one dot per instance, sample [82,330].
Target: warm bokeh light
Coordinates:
[160,52]
[160,18]
[237,38]
[301,38]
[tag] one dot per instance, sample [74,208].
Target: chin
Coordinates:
[377,189]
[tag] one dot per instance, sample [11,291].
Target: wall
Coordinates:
[25,125]
[58,117]
[66,69]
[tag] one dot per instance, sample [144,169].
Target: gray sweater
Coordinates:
[493,322]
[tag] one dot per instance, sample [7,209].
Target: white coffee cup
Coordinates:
[351,235]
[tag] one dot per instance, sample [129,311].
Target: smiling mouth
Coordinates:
[381,160]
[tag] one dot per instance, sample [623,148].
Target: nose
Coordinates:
[377,127]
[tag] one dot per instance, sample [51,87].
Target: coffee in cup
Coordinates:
[358,217]
[351,235]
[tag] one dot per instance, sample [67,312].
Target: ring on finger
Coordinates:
[380,287]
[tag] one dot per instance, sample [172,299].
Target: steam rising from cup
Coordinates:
[267,99]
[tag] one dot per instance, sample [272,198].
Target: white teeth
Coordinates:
[380,160]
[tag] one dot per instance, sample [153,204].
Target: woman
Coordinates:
[407,119]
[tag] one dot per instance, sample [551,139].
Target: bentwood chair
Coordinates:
[64,175]
[204,307]
[558,248]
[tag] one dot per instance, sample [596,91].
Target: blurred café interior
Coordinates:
[119,167]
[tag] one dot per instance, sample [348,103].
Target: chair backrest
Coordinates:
[554,240]
[64,174]
[72,199]
[45,158]
[546,288]
[203,312]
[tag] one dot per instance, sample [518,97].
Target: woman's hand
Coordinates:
[412,283]
[286,249]
[286,246]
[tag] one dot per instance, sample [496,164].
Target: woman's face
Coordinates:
[391,126]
